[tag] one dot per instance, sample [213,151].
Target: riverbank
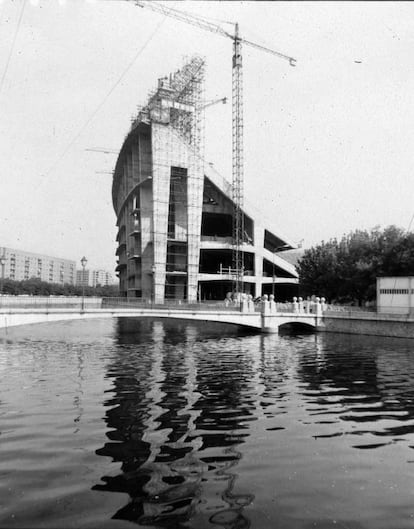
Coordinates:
[368,323]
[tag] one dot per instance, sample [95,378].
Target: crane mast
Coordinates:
[237,124]
[237,165]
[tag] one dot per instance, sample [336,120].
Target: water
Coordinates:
[181,425]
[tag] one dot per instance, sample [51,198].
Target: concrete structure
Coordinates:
[395,295]
[93,278]
[369,323]
[267,318]
[175,213]
[20,265]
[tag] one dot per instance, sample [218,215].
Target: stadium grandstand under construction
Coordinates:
[175,213]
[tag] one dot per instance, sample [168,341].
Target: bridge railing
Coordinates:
[265,305]
[349,308]
[49,302]
[315,306]
[130,303]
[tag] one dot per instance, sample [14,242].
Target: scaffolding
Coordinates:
[177,114]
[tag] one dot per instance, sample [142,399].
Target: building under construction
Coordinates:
[175,214]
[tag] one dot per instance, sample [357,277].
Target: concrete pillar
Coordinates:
[258,239]
[272,304]
[244,305]
[160,202]
[195,188]
[265,305]
[250,303]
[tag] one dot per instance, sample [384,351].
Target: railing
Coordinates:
[168,304]
[348,308]
[77,302]
[350,311]
[217,238]
[49,302]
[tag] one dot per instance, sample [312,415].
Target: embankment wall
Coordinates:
[374,324]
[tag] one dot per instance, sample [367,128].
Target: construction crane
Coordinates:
[106,151]
[237,122]
[213,102]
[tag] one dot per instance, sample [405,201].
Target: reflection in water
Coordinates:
[176,421]
[77,399]
[197,426]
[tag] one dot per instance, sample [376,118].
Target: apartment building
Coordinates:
[20,265]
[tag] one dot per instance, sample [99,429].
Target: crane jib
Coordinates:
[237,125]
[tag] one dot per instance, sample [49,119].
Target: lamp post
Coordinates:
[83,263]
[2,262]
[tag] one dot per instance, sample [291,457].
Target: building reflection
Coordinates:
[176,417]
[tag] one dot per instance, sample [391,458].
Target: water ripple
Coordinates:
[179,425]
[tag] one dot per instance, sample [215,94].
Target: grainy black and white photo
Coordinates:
[206,264]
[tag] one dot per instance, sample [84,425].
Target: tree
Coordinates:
[347,270]
[35,287]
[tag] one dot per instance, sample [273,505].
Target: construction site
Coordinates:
[184,231]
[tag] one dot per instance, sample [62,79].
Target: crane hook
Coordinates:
[292,62]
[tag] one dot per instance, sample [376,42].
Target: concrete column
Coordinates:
[265,305]
[272,304]
[145,216]
[160,202]
[250,303]
[258,236]
[195,188]
[244,305]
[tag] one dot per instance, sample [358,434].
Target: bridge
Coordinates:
[266,316]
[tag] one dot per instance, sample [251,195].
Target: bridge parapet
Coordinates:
[268,316]
[268,305]
[308,312]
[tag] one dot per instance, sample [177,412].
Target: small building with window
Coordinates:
[395,295]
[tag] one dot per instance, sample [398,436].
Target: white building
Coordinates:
[93,278]
[20,265]
[395,295]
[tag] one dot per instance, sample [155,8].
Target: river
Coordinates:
[109,423]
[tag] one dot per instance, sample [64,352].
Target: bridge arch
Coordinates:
[268,323]
[21,317]
[297,326]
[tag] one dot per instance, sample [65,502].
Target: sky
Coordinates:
[328,145]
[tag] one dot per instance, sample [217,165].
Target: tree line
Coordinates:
[35,287]
[346,270]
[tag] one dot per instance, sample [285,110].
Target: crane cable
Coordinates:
[103,101]
[13,44]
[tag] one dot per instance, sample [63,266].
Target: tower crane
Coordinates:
[213,102]
[105,151]
[237,120]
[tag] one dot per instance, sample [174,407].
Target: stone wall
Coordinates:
[368,323]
